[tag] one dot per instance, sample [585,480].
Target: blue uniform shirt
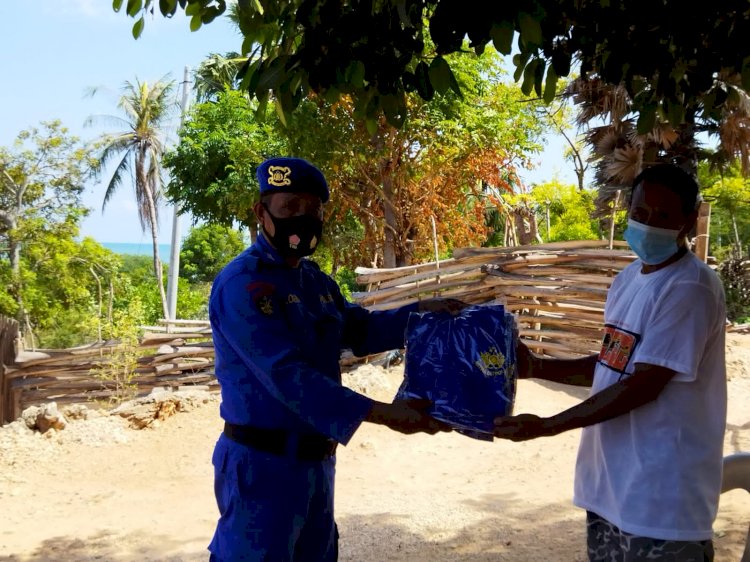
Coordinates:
[278,332]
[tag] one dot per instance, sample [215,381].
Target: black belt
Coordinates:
[310,447]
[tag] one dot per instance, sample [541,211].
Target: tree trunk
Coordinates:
[99,304]
[390,226]
[737,241]
[526,228]
[154,224]
[15,289]
[110,302]
[10,219]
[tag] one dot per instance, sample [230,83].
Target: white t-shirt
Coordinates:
[656,471]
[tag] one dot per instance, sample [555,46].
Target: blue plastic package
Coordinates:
[464,364]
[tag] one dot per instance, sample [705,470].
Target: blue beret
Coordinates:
[291,175]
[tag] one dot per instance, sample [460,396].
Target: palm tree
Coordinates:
[216,74]
[138,149]
[620,152]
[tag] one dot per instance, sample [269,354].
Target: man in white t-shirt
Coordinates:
[649,463]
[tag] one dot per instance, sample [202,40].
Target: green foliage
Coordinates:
[70,285]
[735,275]
[376,51]
[728,192]
[192,300]
[138,283]
[570,212]
[213,167]
[434,166]
[729,196]
[206,250]
[118,371]
[48,286]
[66,289]
[444,151]
[347,281]
[216,74]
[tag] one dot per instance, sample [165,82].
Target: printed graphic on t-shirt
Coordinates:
[618,346]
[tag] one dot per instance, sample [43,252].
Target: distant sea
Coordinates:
[137,249]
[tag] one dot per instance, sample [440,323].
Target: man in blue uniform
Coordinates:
[279,325]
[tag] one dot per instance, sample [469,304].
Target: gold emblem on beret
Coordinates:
[279,175]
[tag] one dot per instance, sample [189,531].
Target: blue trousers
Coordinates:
[272,508]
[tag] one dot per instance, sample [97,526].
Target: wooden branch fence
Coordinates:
[556,290]
[77,374]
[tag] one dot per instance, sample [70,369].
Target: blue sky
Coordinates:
[54,50]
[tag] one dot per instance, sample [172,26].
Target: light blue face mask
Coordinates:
[651,244]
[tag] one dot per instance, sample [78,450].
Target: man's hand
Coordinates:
[452,306]
[522,427]
[406,416]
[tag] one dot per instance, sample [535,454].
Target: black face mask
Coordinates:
[295,237]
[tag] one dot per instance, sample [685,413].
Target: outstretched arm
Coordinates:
[576,372]
[406,416]
[642,387]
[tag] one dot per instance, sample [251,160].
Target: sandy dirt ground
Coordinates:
[98,490]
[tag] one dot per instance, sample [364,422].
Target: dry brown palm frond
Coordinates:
[630,132]
[596,99]
[663,134]
[734,134]
[738,99]
[741,103]
[625,164]
[604,140]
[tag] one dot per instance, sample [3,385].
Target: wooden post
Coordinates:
[702,230]
[614,218]
[437,256]
[8,353]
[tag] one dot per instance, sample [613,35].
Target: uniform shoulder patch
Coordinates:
[261,293]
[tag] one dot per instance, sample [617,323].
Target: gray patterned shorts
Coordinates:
[607,543]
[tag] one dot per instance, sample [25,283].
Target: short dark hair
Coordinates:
[675,179]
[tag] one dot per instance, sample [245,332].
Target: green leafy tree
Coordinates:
[216,74]
[376,52]
[729,196]
[137,150]
[213,166]
[570,212]
[622,142]
[728,192]
[70,289]
[560,116]
[118,371]
[137,284]
[206,250]
[387,183]
[42,177]
[440,165]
